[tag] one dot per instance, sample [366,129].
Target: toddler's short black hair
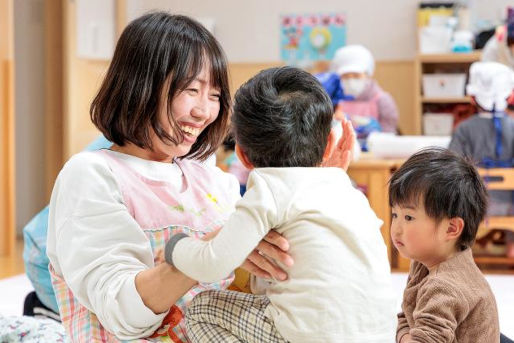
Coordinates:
[282,118]
[448,184]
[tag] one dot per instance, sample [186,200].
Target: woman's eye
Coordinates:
[215,96]
[409,218]
[192,90]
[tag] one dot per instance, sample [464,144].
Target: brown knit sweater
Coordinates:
[452,303]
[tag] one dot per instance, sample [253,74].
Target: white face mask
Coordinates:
[354,87]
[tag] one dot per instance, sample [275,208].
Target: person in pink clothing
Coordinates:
[164,103]
[355,66]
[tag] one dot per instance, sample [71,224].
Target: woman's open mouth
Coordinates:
[190,133]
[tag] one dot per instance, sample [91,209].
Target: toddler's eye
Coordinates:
[409,218]
[394,215]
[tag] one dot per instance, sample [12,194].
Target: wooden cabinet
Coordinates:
[438,63]
[373,175]
[497,179]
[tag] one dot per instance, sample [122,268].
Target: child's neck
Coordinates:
[443,255]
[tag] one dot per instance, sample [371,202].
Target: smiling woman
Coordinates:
[112,211]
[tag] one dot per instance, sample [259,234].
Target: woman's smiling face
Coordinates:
[193,109]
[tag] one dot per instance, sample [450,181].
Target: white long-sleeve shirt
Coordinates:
[98,247]
[339,289]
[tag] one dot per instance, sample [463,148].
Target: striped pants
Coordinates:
[229,316]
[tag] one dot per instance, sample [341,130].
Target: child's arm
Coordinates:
[405,338]
[439,307]
[209,261]
[403,328]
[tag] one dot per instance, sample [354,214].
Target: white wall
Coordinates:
[491,10]
[248,30]
[30,107]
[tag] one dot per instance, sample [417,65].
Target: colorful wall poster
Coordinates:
[311,37]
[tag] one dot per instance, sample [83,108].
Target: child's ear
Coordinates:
[331,144]
[243,158]
[455,227]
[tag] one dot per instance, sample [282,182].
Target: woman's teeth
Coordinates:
[191,130]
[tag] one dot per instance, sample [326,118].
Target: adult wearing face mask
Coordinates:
[355,65]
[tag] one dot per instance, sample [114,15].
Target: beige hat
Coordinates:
[353,59]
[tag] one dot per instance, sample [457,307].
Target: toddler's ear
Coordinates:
[455,227]
[243,158]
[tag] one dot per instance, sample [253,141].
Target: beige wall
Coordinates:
[248,30]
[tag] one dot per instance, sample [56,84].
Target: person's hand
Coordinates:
[343,151]
[273,247]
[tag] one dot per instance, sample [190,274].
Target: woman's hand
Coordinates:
[343,151]
[273,247]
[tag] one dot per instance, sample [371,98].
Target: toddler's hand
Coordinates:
[343,152]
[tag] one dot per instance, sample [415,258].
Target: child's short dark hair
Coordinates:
[154,50]
[449,185]
[282,118]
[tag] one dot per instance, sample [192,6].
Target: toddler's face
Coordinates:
[416,235]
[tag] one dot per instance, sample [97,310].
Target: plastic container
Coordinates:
[444,85]
[437,124]
[434,39]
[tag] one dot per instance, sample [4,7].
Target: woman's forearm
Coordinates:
[161,286]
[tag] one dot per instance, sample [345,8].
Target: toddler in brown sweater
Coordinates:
[438,200]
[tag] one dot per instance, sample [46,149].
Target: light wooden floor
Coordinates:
[12,265]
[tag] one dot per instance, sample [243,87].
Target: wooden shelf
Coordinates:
[431,63]
[464,99]
[451,57]
[494,260]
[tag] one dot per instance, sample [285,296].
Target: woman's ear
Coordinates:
[331,144]
[243,158]
[455,227]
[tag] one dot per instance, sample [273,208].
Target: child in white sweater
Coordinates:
[339,288]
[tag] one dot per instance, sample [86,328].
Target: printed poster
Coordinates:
[312,37]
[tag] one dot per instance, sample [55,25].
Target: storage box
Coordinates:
[434,39]
[437,124]
[444,85]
